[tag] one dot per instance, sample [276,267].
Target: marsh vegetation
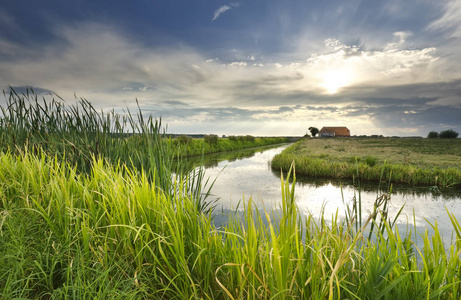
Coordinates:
[88,211]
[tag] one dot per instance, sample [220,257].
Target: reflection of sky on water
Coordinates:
[253,177]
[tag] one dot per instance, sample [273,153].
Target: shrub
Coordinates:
[246,138]
[184,139]
[450,133]
[249,138]
[232,138]
[433,135]
[211,139]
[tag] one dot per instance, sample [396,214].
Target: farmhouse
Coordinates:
[334,132]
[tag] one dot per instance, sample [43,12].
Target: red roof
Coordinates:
[339,131]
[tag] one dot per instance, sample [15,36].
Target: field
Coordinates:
[432,162]
[88,211]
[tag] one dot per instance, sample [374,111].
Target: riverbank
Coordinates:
[193,146]
[111,234]
[431,162]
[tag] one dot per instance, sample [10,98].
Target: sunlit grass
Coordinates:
[404,160]
[113,234]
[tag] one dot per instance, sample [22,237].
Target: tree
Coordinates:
[433,135]
[450,133]
[314,131]
[211,139]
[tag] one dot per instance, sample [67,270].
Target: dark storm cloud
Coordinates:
[283,109]
[29,90]
[431,103]
[411,91]
[271,79]
[175,103]
[218,113]
[443,116]
[317,108]
[399,102]
[397,116]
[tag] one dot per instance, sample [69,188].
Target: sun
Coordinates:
[333,80]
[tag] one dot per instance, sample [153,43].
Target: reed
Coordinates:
[111,233]
[78,134]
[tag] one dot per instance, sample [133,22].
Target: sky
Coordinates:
[259,67]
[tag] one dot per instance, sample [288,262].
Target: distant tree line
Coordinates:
[213,139]
[447,134]
[242,138]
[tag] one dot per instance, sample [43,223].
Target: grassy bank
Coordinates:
[193,147]
[412,161]
[111,234]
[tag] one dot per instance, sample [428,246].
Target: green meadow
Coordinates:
[89,210]
[416,161]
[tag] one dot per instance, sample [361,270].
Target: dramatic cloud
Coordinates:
[272,72]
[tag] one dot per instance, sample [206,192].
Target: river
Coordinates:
[241,175]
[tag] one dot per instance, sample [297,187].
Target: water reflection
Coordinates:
[212,160]
[249,175]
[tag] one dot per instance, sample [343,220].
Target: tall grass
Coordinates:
[112,234]
[78,134]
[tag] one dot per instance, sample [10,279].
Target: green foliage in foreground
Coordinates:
[367,168]
[77,133]
[111,234]
[213,144]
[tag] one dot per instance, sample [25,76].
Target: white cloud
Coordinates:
[220,10]
[451,19]
[399,39]
[344,65]
[223,9]
[238,63]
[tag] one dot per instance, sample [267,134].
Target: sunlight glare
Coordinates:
[333,80]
